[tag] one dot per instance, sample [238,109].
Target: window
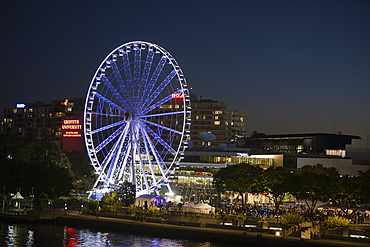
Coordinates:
[216,117]
[217,123]
[218,112]
[196,117]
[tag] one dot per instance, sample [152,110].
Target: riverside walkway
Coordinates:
[230,236]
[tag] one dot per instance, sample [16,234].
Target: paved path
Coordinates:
[232,233]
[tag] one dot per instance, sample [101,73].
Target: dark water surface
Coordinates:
[59,235]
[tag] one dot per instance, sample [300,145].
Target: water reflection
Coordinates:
[55,235]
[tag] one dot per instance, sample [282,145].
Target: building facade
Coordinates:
[45,121]
[229,126]
[311,143]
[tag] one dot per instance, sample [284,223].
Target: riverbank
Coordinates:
[230,236]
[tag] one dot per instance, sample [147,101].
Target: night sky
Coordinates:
[294,66]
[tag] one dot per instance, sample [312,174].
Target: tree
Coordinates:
[277,182]
[28,163]
[352,192]
[82,171]
[257,134]
[314,184]
[240,178]
[126,193]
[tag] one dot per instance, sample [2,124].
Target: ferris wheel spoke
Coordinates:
[142,166]
[159,89]
[145,141]
[125,161]
[102,98]
[106,114]
[156,155]
[160,102]
[125,88]
[114,92]
[108,127]
[118,145]
[109,139]
[163,127]
[136,81]
[160,140]
[103,176]
[155,76]
[146,71]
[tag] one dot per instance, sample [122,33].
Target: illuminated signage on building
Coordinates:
[71,127]
[21,105]
[177,97]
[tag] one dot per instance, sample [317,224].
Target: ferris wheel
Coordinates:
[137,118]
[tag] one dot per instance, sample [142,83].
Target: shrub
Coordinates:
[240,217]
[106,209]
[336,223]
[292,219]
[153,210]
[117,207]
[133,209]
[93,205]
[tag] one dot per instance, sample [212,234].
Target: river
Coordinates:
[62,235]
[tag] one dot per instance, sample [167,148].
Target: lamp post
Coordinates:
[4,201]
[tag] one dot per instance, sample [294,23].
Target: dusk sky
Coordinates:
[294,66]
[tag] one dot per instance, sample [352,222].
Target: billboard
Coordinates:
[72,135]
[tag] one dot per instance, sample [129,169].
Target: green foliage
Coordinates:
[117,207]
[153,210]
[292,219]
[126,193]
[133,209]
[94,205]
[278,182]
[336,223]
[36,164]
[239,177]
[106,209]
[352,192]
[240,217]
[82,172]
[109,198]
[314,183]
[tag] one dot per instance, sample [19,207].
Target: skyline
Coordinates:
[294,67]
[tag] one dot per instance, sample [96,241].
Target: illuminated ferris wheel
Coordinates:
[137,118]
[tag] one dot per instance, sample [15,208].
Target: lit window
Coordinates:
[241,119]
[216,117]
[177,106]
[204,117]
[218,112]
[196,117]
[14,110]
[217,123]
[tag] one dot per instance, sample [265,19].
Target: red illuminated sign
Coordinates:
[70,125]
[177,97]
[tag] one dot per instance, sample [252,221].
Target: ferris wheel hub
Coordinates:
[128,117]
